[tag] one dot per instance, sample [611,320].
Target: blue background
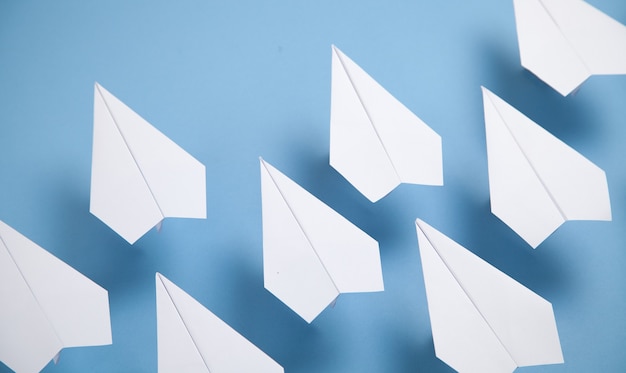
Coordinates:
[230,81]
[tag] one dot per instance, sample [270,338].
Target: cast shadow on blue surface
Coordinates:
[381,220]
[485,235]
[570,118]
[89,245]
[410,352]
[271,325]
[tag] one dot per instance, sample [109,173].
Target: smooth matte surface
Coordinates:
[482,319]
[232,81]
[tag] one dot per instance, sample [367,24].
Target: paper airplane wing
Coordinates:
[536,181]
[46,305]
[564,42]
[311,254]
[376,143]
[192,339]
[139,176]
[482,320]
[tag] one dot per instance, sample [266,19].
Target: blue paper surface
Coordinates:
[232,81]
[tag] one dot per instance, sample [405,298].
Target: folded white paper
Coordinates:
[536,181]
[311,254]
[564,42]
[46,305]
[482,320]
[191,339]
[376,143]
[138,175]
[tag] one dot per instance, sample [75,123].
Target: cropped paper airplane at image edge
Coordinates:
[564,42]
[46,305]
[537,182]
[138,175]
[311,254]
[192,339]
[481,319]
[376,143]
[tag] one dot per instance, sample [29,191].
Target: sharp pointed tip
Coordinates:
[373,199]
[377,196]
[487,94]
[158,277]
[423,227]
[98,89]
[263,163]
[419,224]
[534,243]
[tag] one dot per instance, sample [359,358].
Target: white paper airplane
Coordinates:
[481,319]
[536,181]
[564,42]
[138,175]
[376,143]
[311,254]
[46,305]
[192,339]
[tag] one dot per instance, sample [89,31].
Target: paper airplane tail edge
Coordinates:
[565,92]
[368,290]
[307,318]
[552,362]
[372,197]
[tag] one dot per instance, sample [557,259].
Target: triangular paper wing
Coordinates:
[482,320]
[139,176]
[536,181]
[564,42]
[311,254]
[46,305]
[192,339]
[376,143]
